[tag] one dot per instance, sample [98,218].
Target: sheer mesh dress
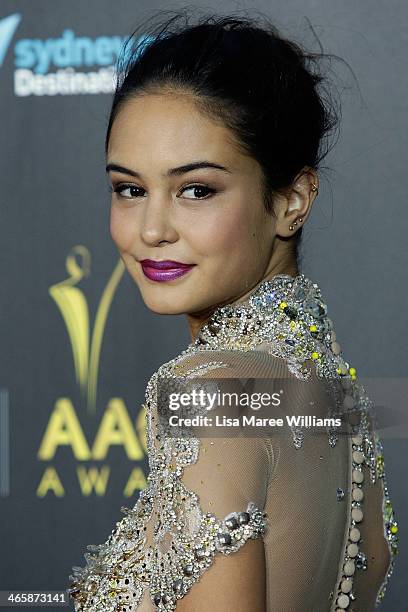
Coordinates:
[294,518]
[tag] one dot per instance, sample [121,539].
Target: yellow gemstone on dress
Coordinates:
[353,371]
[292,324]
[315,355]
[394,529]
[283,305]
[313,328]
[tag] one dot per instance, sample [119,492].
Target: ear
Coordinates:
[296,203]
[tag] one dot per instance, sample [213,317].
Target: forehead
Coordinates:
[167,127]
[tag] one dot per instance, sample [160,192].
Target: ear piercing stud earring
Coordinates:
[291,227]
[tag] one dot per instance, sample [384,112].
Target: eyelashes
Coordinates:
[119,189]
[122,187]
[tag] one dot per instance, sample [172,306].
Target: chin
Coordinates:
[166,305]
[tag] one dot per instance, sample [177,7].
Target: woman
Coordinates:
[213,145]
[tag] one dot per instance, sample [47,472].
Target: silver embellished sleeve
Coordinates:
[167,541]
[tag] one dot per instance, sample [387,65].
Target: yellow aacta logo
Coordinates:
[74,309]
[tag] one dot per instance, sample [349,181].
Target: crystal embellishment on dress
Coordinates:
[289,315]
[340,494]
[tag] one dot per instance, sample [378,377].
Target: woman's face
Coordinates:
[211,218]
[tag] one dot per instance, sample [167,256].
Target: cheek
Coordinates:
[121,229]
[230,233]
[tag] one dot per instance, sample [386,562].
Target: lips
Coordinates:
[164,270]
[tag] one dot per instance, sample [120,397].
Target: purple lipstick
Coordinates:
[166,270]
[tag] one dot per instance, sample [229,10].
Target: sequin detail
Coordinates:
[289,316]
[390,523]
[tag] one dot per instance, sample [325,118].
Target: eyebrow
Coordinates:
[173,171]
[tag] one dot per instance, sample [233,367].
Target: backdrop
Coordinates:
[73,327]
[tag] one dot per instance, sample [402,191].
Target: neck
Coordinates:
[197,320]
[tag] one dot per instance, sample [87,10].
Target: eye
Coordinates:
[201,192]
[123,187]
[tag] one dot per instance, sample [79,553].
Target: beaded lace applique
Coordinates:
[288,314]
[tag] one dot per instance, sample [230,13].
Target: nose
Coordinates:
[157,226]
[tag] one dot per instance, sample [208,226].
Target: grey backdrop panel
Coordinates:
[54,197]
